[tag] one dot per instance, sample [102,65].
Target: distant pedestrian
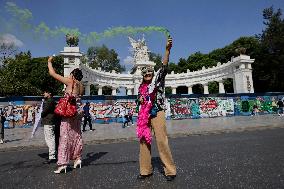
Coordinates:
[274,105]
[254,110]
[87,117]
[124,116]
[130,115]
[280,106]
[2,121]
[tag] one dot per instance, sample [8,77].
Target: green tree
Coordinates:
[106,59]
[13,76]
[23,75]
[251,44]
[172,67]
[268,68]
[197,60]
[40,78]
[157,58]
[213,87]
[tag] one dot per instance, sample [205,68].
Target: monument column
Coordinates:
[243,82]
[87,89]
[136,85]
[221,87]
[100,90]
[113,91]
[174,90]
[189,89]
[205,88]
[129,91]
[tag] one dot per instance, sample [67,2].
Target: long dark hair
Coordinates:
[77,73]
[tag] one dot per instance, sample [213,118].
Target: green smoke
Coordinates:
[128,30]
[23,17]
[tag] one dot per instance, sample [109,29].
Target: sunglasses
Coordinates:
[147,74]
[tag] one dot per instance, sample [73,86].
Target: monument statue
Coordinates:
[241,50]
[140,50]
[72,40]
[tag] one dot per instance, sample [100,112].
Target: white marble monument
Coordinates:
[239,69]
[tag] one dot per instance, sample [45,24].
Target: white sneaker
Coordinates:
[1,141]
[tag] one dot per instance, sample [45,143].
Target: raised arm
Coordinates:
[168,51]
[56,76]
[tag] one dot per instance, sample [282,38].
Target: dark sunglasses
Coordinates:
[147,74]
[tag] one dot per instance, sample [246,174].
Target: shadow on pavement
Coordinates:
[14,140]
[43,155]
[91,157]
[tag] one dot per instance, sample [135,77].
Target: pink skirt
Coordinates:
[70,141]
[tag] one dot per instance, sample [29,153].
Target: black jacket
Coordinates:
[47,115]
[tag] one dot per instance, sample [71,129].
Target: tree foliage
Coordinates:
[106,59]
[24,75]
[268,68]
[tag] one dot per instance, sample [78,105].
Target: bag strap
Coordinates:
[72,86]
[79,94]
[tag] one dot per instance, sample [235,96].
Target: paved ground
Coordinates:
[106,133]
[250,159]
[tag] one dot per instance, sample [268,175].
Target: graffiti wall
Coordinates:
[106,111]
[22,113]
[215,107]
[183,108]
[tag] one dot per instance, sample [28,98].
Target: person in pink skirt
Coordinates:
[70,141]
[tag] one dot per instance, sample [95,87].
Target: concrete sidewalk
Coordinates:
[106,133]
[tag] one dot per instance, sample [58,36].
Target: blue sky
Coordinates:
[195,25]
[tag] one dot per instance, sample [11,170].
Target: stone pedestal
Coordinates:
[71,56]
